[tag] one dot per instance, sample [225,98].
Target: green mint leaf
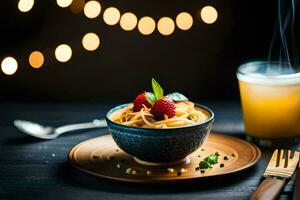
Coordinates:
[176,96]
[157,89]
[150,97]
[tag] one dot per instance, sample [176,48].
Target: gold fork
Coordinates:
[280,168]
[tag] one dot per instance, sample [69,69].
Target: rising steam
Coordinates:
[284,45]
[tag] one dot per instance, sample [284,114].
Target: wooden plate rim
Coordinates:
[171,179]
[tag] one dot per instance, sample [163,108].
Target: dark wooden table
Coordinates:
[38,169]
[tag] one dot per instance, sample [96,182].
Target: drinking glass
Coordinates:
[270,97]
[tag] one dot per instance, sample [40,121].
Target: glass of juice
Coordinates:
[270,97]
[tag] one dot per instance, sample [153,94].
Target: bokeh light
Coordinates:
[25,5]
[90,41]
[128,21]
[208,14]
[92,9]
[166,26]
[63,53]
[184,21]
[9,65]
[36,59]
[146,25]
[77,6]
[63,3]
[111,16]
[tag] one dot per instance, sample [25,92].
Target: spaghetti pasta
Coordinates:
[185,114]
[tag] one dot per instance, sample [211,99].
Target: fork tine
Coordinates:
[281,158]
[287,158]
[273,162]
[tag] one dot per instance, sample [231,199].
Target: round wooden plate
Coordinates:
[101,157]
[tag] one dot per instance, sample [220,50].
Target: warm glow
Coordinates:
[36,59]
[9,65]
[128,21]
[146,25]
[63,53]
[92,9]
[90,41]
[111,16]
[209,14]
[184,21]
[25,5]
[166,26]
[63,3]
[77,6]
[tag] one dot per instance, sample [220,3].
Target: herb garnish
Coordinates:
[208,161]
[221,165]
[225,158]
[233,155]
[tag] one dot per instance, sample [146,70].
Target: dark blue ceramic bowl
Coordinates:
[160,145]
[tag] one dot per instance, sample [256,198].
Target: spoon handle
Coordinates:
[73,127]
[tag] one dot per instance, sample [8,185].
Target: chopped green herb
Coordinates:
[204,165]
[179,173]
[208,161]
[202,171]
[202,149]
[233,155]
[212,159]
[117,150]
[199,156]
[221,165]
[197,168]
[225,158]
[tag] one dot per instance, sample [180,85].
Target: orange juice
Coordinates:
[271,104]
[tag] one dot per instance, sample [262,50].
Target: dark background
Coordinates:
[200,62]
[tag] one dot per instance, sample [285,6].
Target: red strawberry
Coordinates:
[163,107]
[139,101]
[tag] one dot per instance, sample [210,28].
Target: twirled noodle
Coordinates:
[185,114]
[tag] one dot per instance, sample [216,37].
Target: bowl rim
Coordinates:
[210,119]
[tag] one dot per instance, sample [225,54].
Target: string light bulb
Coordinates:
[36,59]
[128,21]
[63,53]
[146,25]
[9,65]
[25,5]
[165,26]
[209,14]
[184,21]
[64,3]
[90,41]
[92,9]
[111,16]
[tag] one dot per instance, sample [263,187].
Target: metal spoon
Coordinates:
[47,132]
